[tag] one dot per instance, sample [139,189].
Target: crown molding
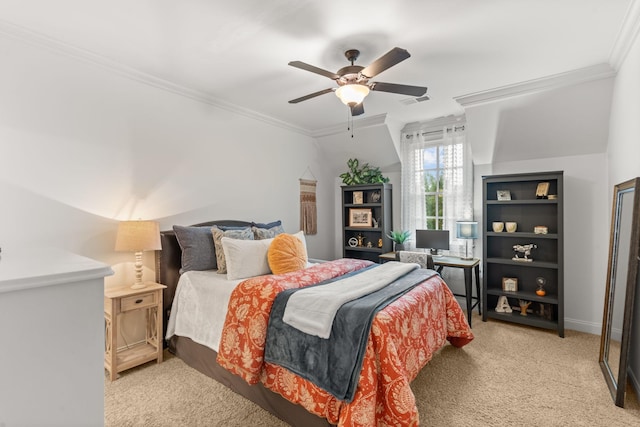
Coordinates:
[581,75]
[59,47]
[357,124]
[626,36]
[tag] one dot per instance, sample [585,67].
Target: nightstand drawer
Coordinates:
[138,301]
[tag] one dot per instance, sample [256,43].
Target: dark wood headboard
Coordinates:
[169,260]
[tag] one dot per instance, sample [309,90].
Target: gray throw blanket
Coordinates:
[333,364]
[313,309]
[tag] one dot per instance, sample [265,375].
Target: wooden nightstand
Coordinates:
[124,299]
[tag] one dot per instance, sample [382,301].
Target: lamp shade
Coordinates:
[138,236]
[352,94]
[466,229]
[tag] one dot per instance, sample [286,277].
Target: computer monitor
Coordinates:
[432,239]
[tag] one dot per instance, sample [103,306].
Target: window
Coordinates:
[437,179]
[433,172]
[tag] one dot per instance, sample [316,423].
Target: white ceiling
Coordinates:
[236,52]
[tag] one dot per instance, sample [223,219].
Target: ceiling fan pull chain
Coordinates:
[349,121]
[351,125]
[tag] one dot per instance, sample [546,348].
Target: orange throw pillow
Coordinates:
[286,254]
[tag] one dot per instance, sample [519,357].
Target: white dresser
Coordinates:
[51,338]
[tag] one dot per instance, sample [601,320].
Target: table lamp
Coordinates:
[467,230]
[138,236]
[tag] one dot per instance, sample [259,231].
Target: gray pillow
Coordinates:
[267,233]
[198,249]
[244,234]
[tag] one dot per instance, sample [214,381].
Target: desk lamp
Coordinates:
[467,230]
[138,236]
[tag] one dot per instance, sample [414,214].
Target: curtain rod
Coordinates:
[432,132]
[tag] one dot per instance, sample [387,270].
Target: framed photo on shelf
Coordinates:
[543,190]
[358,197]
[374,197]
[360,217]
[510,284]
[504,195]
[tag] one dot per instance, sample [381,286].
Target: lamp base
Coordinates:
[138,284]
[466,251]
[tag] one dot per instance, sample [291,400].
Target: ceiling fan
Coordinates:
[353,80]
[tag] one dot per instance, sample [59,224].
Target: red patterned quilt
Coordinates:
[404,336]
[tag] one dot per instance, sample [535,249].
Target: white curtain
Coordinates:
[457,168]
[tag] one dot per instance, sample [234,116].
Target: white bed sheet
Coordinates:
[200,307]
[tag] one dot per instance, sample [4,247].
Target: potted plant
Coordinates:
[362,174]
[399,238]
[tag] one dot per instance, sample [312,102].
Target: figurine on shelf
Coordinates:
[379,243]
[503,305]
[524,305]
[523,252]
[360,238]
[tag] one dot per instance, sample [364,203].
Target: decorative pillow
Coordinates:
[300,235]
[243,234]
[198,249]
[267,233]
[267,225]
[286,253]
[233,227]
[246,258]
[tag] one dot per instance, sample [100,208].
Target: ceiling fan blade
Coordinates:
[386,61]
[396,88]
[311,95]
[307,67]
[357,109]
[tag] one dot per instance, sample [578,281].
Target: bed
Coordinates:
[403,337]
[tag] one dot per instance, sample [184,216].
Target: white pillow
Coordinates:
[300,235]
[246,258]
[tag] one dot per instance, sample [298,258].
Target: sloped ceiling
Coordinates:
[558,116]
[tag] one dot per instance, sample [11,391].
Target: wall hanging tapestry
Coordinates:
[308,209]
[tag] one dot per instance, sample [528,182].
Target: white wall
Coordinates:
[586,235]
[51,306]
[82,147]
[624,160]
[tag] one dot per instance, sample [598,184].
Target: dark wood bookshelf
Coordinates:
[376,198]
[528,210]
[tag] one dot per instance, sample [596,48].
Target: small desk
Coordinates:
[468,265]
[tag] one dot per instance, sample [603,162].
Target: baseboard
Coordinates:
[582,326]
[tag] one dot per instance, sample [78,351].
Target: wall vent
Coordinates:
[410,101]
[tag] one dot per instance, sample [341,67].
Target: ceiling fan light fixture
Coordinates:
[352,94]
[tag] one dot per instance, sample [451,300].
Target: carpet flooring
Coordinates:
[510,375]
